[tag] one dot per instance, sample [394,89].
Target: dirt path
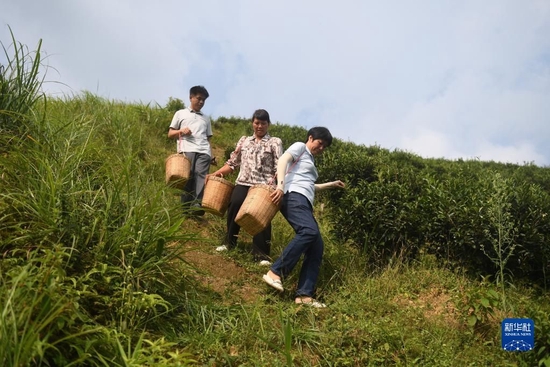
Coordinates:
[218,272]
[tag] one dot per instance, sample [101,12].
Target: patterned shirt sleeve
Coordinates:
[234,160]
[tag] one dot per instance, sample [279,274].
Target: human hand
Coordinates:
[337,184]
[216,174]
[185,131]
[276,196]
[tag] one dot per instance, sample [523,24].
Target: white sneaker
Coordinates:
[221,248]
[265,263]
[312,303]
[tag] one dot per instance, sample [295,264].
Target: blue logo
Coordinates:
[518,335]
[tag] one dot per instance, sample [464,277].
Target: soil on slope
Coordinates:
[217,271]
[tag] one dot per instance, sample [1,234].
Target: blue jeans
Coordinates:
[298,211]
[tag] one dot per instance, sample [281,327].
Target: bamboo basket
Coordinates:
[257,210]
[178,168]
[217,194]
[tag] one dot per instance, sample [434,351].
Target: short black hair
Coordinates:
[261,115]
[198,89]
[321,133]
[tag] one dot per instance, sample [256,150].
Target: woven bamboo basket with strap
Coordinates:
[257,210]
[178,169]
[217,194]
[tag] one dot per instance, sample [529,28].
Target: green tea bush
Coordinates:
[174,104]
[530,212]
[397,203]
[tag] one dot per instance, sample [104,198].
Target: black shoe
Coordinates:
[197,210]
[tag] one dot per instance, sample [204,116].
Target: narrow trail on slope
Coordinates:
[216,271]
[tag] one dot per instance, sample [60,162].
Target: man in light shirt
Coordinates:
[193,131]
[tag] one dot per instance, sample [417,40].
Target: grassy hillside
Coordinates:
[100,266]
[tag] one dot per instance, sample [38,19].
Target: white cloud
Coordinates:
[450,79]
[519,152]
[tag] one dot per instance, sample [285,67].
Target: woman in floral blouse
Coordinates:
[256,157]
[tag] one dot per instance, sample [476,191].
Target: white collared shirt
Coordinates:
[201,129]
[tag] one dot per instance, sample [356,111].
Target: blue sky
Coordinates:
[462,79]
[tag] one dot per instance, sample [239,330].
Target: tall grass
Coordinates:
[36,308]
[502,232]
[106,211]
[86,228]
[20,85]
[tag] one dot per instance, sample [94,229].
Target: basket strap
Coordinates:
[293,164]
[179,143]
[270,182]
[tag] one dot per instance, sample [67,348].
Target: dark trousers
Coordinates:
[298,211]
[261,243]
[194,188]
